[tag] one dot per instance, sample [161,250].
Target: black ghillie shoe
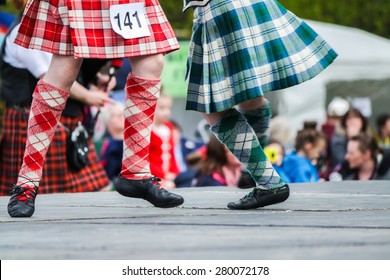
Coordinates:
[260,198]
[148,189]
[21,203]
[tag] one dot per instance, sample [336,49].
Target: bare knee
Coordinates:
[251,104]
[63,71]
[150,66]
[212,118]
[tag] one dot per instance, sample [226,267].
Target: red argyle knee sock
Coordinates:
[141,99]
[46,109]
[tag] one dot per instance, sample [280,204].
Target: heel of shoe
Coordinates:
[278,196]
[130,188]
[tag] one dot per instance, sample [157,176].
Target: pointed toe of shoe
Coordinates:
[19,209]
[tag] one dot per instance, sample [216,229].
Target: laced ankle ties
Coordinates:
[25,194]
[251,194]
[155,181]
[256,190]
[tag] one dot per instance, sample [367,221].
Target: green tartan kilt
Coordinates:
[241,49]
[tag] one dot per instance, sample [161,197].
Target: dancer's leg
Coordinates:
[49,100]
[258,113]
[142,91]
[233,130]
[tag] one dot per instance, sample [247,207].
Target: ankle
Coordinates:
[28,182]
[24,192]
[136,176]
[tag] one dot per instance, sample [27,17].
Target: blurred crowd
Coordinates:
[344,147]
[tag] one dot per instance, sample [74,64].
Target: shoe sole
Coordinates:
[275,198]
[169,205]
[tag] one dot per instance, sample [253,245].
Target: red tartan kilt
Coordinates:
[83,29]
[56,178]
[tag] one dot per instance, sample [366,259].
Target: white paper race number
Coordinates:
[129,20]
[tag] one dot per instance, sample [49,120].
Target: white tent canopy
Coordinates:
[362,55]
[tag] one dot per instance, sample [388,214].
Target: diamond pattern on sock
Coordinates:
[40,141]
[53,98]
[141,100]
[259,120]
[46,109]
[238,136]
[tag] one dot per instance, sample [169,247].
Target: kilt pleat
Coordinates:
[83,29]
[56,177]
[241,49]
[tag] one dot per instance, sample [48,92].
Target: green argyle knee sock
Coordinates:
[238,136]
[259,120]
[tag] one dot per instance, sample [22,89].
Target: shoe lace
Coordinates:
[253,193]
[250,194]
[26,193]
[155,181]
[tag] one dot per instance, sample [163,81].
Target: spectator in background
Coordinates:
[162,144]
[383,131]
[336,109]
[299,165]
[352,123]
[112,147]
[183,147]
[276,154]
[178,152]
[217,167]
[363,161]
[118,93]
[281,132]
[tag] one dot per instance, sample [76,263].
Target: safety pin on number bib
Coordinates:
[129,20]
